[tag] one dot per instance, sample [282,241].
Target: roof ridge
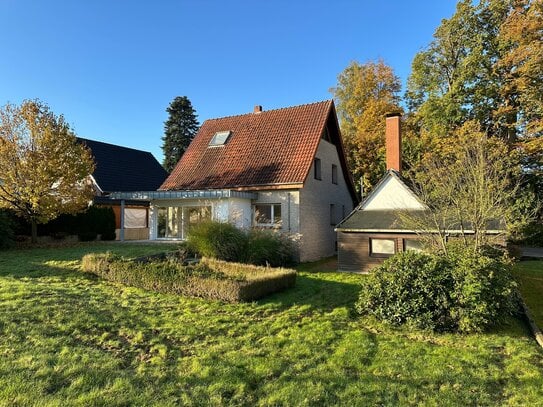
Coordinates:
[271,110]
[113,145]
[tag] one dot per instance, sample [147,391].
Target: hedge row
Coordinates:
[96,220]
[211,279]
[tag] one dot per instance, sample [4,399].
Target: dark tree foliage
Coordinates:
[179,130]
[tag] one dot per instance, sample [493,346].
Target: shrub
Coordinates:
[96,220]
[465,291]
[266,247]
[217,239]
[484,289]
[224,241]
[410,288]
[212,279]
[7,233]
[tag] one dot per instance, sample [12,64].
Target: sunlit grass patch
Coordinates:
[68,338]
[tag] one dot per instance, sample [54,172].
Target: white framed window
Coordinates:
[382,247]
[174,222]
[412,244]
[267,215]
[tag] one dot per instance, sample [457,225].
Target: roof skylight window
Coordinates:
[220,138]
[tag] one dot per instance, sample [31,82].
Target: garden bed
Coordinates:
[209,278]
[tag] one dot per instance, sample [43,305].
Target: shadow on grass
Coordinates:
[320,293]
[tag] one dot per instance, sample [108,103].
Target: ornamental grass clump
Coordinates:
[465,291]
[224,241]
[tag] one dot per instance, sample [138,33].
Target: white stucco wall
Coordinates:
[392,194]
[239,212]
[317,236]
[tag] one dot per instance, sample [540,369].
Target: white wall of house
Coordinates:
[392,194]
[239,212]
[317,235]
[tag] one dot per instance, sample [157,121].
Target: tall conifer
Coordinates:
[179,130]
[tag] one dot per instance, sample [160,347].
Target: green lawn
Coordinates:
[529,275]
[70,339]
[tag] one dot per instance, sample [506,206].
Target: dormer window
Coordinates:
[220,138]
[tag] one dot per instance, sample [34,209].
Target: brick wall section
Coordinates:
[317,235]
[393,143]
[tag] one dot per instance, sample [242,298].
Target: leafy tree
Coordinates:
[364,94]
[43,169]
[485,64]
[469,182]
[179,130]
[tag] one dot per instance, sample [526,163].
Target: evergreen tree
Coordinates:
[179,130]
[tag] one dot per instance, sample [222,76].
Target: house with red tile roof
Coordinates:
[280,169]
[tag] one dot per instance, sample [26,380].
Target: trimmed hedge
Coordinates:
[211,279]
[87,225]
[7,234]
[466,291]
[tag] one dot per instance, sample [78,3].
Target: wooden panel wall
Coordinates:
[354,250]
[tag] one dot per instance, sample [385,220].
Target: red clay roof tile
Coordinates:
[271,147]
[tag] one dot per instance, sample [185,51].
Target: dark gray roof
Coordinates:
[372,220]
[124,169]
[391,221]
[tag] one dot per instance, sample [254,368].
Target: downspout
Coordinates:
[288,210]
[121,237]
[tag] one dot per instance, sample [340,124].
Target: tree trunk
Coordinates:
[34,231]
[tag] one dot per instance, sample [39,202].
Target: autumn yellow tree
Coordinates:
[43,169]
[364,94]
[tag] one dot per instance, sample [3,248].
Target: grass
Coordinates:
[529,275]
[68,338]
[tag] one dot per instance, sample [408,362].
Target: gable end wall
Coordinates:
[317,235]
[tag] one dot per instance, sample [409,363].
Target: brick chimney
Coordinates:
[257,109]
[393,142]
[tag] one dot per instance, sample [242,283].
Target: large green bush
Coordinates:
[484,290]
[224,241]
[466,291]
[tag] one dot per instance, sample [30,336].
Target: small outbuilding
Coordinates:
[375,230]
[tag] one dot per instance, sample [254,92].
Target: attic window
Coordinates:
[220,138]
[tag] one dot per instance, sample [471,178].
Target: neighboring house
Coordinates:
[374,230]
[125,169]
[280,169]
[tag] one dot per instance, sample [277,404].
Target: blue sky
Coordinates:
[112,67]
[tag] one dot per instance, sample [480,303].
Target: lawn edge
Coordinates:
[533,325]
